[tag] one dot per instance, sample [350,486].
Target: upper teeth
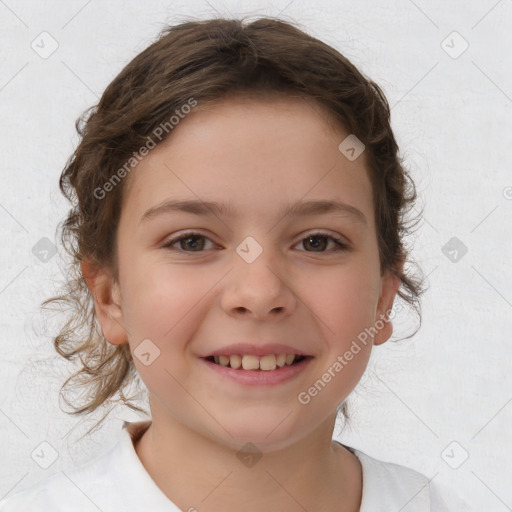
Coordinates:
[250,362]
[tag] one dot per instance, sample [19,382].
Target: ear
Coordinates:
[390,283]
[107,302]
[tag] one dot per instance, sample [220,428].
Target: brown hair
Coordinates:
[208,60]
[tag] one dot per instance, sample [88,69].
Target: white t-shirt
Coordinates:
[117,481]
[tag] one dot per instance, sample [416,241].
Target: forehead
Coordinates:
[252,151]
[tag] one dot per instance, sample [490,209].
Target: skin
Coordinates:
[257,154]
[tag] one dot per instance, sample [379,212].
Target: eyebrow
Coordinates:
[209,208]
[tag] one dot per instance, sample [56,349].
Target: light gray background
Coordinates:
[426,403]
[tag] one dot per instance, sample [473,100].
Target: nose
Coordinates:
[258,290]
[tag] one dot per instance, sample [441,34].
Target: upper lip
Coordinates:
[255,349]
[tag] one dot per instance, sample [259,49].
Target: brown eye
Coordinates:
[194,241]
[319,241]
[315,242]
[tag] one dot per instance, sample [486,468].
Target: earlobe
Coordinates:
[107,302]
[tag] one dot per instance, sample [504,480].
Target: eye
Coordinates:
[191,240]
[188,239]
[312,238]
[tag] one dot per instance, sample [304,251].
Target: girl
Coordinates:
[236,232]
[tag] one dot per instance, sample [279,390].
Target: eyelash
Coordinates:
[341,246]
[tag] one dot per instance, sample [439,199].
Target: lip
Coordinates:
[259,377]
[255,349]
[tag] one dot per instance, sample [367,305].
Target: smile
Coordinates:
[257,371]
[250,362]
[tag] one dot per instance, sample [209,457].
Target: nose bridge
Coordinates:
[258,281]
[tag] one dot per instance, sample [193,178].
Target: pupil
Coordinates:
[315,245]
[192,245]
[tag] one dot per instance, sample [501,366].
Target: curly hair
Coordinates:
[208,60]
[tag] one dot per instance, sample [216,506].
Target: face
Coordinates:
[192,284]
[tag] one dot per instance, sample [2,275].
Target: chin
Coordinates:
[266,432]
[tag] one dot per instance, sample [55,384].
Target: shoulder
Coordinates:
[387,485]
[113,481]
[63,491]
[56,493]
[390,486]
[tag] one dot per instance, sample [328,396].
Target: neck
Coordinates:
[198,473]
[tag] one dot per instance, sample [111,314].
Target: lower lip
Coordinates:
[260,377]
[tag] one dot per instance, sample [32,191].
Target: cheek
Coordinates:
[157,295]
[345,303]
[162,306]
[346,308]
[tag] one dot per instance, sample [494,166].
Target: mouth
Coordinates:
[270,362]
